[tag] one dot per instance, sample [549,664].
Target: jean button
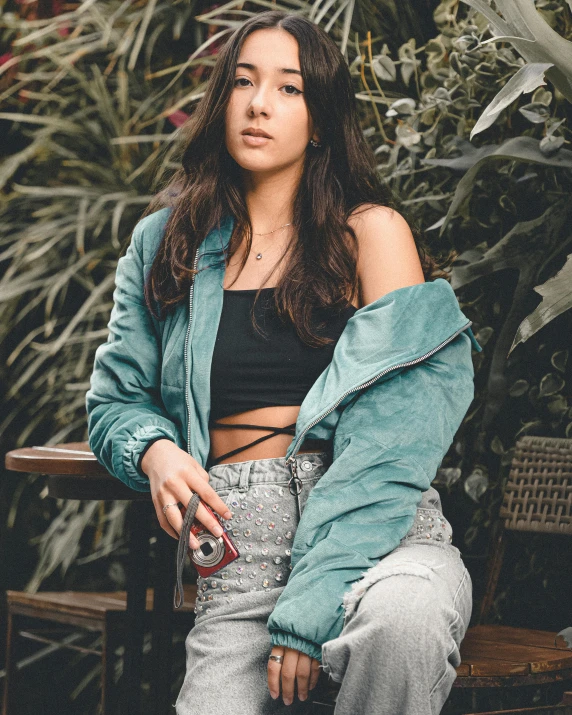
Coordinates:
[306,465]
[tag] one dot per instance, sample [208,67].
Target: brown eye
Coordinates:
[296,90]
[287,86]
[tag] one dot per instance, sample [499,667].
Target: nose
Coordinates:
[259,103]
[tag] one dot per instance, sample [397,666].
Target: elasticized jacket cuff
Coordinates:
[289,640]
[138,441]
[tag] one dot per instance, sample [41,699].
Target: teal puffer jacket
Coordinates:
[397,389]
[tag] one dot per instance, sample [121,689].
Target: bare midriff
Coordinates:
[226,440]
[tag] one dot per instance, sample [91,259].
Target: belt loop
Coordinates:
[243,480]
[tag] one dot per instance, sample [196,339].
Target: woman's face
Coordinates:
[267,98]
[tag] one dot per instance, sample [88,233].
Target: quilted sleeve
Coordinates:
[124,406]
[388,445]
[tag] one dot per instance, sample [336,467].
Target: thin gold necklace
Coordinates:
[259,255]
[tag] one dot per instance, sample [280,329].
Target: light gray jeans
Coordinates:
[404,619]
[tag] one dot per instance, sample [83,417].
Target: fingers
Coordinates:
[314,673]
[303,675]
[177,491]
[175,485]
[274,669]
[210,497]
[162,516]
[295,668]
[288,675]
[213,525]
[208,520]
[176,521]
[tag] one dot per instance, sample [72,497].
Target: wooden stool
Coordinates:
[537,499]
[99,612]
[73,472]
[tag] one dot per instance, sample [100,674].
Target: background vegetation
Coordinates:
[91,97]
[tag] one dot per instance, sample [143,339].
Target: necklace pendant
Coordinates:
[258,256]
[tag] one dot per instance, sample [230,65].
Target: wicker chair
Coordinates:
[537,499]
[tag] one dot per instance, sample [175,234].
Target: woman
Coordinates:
[275,350]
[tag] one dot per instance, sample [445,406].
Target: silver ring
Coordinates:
[277,658]
[167,506]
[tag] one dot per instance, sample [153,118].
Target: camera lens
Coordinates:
[211,550]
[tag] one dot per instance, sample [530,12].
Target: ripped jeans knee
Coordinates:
[410,609]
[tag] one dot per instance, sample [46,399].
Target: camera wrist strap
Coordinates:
[183,547]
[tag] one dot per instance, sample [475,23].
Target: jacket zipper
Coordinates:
[186,354]
[292,458]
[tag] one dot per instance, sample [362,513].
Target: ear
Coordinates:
[315,132]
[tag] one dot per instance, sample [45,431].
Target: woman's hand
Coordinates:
[296,665]
[174,476]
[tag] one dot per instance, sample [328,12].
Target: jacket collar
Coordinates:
[217,240]
[402,327]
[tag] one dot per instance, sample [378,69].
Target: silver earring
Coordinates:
[314,143]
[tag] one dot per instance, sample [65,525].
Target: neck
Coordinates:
[270,200]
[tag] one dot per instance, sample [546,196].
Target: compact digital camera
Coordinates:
[213,552]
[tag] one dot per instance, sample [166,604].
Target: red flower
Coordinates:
[178,118]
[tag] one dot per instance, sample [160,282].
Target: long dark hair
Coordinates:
[337,178]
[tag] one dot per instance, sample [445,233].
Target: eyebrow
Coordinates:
[282,70]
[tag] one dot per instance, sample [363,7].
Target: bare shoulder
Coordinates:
[376,223]
[387,253]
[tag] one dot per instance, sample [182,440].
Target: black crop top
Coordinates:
[250,370]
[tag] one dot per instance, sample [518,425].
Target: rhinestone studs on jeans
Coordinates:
[265,550]
[430,525]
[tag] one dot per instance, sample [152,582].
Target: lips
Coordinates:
[256,133]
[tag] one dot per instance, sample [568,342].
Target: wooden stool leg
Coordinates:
[139,528]
[8,704]
[162,649]
[498,545]
[113,637]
